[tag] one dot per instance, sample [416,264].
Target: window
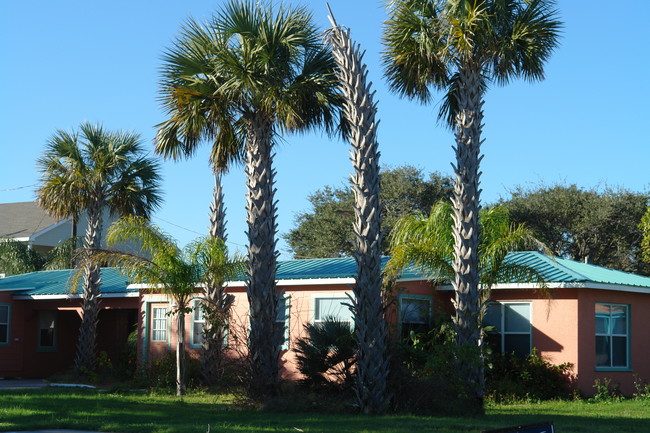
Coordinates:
[512,327]
[198,323]
[332,307]
[414,314]
[47,330]
[159,324]
[282,321]
[612,336]
[4,324]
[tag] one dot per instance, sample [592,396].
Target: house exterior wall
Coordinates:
[638,335]
[22,356]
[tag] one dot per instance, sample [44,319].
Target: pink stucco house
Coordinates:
[590,316]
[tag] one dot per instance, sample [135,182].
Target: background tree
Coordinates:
[599,226]
[240,79]
[326,230]
[460,47]
[645,226]
[167,269]
[95,169]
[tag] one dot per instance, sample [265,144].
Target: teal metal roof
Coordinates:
[554,270]
[57,282]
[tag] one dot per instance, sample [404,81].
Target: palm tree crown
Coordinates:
[91,170]
[237,80]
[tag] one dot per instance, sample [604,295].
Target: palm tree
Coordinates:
[238,80]
[370,327]
[167,269]
[94,169]
[428,244]
[460,47]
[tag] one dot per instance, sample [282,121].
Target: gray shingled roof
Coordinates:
[22,220]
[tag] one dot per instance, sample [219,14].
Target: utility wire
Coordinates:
[17,188]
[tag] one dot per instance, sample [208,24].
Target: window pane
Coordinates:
[415,311]
[619,320]
[519,344]
[602,352]
[197,333]
[517,317]
[4,338]
[46,337]
[602,319]
[619,351]
[4,314]
[493,316]
[281,312]
[333,307]
[198,310]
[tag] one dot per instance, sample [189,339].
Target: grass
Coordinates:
[149,413]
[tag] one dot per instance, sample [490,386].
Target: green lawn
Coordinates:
[91,410]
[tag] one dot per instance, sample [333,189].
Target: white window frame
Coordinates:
[197,307]
[157,321]
[345,299]
[628,339]
[7,325]
[501,329]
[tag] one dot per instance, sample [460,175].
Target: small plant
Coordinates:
[641,389]
[606,391]
[326,355]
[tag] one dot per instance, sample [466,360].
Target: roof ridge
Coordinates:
[553,261]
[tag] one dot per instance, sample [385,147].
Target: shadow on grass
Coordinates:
[89,410]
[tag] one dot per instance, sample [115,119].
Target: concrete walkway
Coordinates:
[21,383]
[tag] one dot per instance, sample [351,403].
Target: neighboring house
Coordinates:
[28,222]
[590,316]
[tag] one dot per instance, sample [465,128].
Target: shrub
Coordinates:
[161,373]
[606,391]
[326,355]
[532,378]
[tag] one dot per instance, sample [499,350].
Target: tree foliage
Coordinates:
[18,258]
[599,226]
[645,244]
[327,229]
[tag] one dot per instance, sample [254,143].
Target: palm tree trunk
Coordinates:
[370,326]
[217,302]
[180,351]
[264,338]
[86,356]
[466,205]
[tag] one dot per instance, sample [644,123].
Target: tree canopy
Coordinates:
[326,229]
[598,226]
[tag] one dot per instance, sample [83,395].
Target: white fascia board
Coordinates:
[302,282]
[76,296]
[564,285]
[22,239]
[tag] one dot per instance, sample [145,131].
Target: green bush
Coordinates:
[161,373]
[532,378]
[606,391]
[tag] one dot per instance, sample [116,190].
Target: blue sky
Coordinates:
[66,62]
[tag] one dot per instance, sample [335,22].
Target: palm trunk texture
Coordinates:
[466,205]
[180,350]
[264,337]
[370,326]
[86,356]
[217,302]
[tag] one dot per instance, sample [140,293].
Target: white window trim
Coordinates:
[502,332]
[153,324]
[315,298]
[628,339]
[286,341]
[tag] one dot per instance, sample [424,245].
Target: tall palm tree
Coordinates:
[238,80]
[461,47]
[169,270]
[370,327]
[94,169]
[428,243]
